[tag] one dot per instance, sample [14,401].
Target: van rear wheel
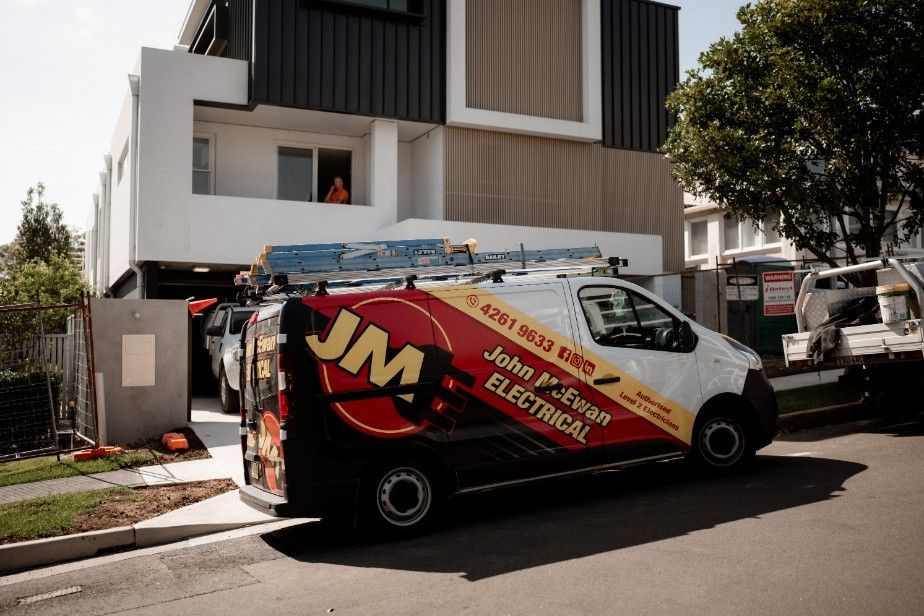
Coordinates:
[400,499]
[721,443]
[227,396]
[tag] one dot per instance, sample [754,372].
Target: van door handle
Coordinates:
[549,388]
[603,380]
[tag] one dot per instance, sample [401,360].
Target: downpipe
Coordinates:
[134,82]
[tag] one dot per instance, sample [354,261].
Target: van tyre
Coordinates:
[400,499]
[227,396]
[721,444]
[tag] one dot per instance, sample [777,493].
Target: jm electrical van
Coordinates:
[376,405]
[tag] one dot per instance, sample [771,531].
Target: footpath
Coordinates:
[219,433]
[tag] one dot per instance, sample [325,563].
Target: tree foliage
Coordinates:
[37,264]
[813,109]
[42,233]
[58,281]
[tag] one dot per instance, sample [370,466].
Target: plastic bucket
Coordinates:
[893,302]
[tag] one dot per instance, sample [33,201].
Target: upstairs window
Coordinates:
[295,177]
[307,174]
[412,7]
[742,235]
[202,166]
[699,238]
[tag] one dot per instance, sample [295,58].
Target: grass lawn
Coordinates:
[52,515]
[48,467]
[816,396]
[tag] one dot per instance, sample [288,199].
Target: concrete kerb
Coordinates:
[29,554]
[824,416]
[52,550]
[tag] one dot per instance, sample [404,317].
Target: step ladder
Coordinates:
[301,268]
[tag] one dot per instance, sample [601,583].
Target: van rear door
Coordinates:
[263,456]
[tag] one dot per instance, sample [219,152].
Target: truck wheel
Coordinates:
[400,499]
[227,397]
[721,443]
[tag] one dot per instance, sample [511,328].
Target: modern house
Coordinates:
[713,238]
[534,121]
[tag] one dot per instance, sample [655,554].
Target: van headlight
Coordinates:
[754,362]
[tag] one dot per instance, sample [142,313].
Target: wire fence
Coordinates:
[47,393]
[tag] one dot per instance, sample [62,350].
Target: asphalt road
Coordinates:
[827,522]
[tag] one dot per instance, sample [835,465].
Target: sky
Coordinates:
[64,76]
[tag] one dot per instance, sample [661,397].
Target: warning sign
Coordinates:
[779,294]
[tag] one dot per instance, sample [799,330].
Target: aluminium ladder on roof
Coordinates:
[357,263]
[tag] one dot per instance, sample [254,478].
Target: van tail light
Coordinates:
[284,387]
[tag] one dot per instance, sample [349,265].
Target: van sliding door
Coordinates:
[525,410]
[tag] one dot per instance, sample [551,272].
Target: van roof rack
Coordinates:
[304,268]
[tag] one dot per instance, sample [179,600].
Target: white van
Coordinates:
[376,405]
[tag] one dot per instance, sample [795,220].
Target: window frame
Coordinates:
[676,322]
[314,147]
[761,236]
[210,137]
[359,5]
[689,249]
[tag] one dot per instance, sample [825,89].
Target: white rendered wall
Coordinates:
[170,82]
[405,190]
[428,183]
[232,226]
[383,169]
[176,225]
[643,251]
[121,194]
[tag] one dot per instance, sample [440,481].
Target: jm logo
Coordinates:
[371,347]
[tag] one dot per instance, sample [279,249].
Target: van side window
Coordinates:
[621,318]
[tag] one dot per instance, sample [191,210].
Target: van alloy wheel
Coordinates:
[404,497]
[722,442]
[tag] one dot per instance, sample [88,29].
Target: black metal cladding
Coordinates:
[240,29]
[640,68]
[319,54]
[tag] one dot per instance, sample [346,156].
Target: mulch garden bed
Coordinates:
[162,455]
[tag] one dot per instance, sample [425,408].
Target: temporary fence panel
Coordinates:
[46,398]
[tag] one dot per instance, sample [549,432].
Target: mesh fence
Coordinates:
[47,401]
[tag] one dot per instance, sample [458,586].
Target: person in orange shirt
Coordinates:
[337,193]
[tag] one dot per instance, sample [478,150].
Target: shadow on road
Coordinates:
[496,533]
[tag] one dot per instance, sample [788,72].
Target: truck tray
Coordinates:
[862,344]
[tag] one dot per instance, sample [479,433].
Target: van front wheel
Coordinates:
[400,499]
[721,443]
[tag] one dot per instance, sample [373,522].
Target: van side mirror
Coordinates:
[687,337]
[214,330]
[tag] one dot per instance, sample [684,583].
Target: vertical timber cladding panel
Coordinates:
[639,196]
[504,178]
[344,58]
[524,56]
[640,68]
